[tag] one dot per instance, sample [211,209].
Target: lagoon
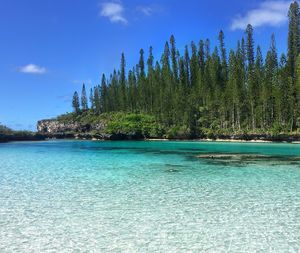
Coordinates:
[89,196]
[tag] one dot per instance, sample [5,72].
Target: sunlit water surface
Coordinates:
[82,196]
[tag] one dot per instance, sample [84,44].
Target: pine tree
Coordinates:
[123,84]
[114,101]
[194,65]
[243,51]
[142,83]
[273,79]
[201,55]
[284,99]
[223,57]
[259,80]
[251,75]
[97,100]
[92,99]
[187,67]
[223,78]
[132,97]
[150,81]
[231,91]
[207,49]
[142,64]
[250,46]
[167,101]
[103,95]
[75,103]
[84,101]
[240,76]
[158,102]
[293,37]
[174,58]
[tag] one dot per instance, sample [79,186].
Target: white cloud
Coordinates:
[270,13]
[114,12]
[146,10]
[32,69]
[149,10]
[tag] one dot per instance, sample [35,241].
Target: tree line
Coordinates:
[206,87]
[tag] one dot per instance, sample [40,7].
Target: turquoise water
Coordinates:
[83,196]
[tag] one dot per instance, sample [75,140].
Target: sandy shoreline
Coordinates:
[226,140]
[291,140]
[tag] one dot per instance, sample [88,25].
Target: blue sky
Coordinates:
[49,48]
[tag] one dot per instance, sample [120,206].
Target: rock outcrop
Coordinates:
[74,130]
[56,127]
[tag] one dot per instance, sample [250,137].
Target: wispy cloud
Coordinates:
[65,98]
[268,13]
[87,81]
[149,10]
[114,11]
[146,10]
[32,69]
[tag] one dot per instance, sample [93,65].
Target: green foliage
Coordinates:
[132,124]
[178,132]
[276,129]
[143,125]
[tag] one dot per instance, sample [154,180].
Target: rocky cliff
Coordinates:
[54,126]
[59,129]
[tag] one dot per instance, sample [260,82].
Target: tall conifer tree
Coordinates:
[84,101]
[75,102]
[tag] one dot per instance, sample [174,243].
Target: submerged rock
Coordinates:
[232,156]
[172,170]
[229,158]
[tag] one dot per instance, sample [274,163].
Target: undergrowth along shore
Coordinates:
[139,126]
[120,125]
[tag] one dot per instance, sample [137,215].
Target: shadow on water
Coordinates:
[243,160]
[200,155]
[154,151]
[195,154]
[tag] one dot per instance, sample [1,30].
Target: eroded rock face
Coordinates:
[60,130]
[55,126]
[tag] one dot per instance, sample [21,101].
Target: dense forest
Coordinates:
[208,89]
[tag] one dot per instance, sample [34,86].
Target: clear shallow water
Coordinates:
[82,196]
